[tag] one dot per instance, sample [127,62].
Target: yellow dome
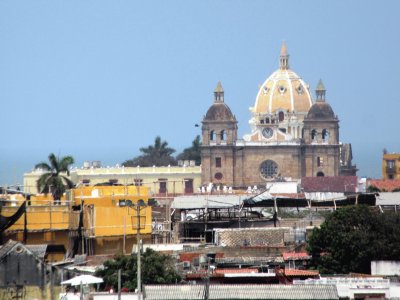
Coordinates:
[284,90]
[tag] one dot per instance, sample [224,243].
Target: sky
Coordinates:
[100,79]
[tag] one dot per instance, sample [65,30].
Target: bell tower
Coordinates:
[219,135]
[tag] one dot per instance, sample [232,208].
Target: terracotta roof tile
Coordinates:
[235,271]
[295,255]
[295,272]
[384,185]
[339,184]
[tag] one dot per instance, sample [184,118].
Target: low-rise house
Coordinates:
[24,271]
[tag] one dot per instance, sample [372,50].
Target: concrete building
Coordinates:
[291,135]
[90,220]
[161,181]
[391,166]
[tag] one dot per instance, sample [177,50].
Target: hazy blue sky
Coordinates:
[99,79]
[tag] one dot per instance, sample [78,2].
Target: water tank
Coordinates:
[96,164]
[202,259]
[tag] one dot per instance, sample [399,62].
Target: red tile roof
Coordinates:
[235,271]
[384,185]
[295,272]
[338,184]
[295,255]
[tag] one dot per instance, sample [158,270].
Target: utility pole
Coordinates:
[140,204]
[139,267]
[207,286]
[119,284]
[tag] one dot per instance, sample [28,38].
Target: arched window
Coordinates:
[223,135]
[266,120]
[313,135]
[212,135]
[320,174]
[281,116]
[325,135]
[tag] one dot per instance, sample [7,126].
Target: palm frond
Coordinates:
[43,183]
[65,162]
[54,163]
[69,183]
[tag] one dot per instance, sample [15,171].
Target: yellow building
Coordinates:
[161,181]
[391,166]
[91,220]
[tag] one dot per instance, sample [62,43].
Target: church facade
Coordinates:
[291,135]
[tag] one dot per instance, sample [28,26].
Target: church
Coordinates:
[291,135]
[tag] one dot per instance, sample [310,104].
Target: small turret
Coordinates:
[284,58]
[320,91]
[219,93]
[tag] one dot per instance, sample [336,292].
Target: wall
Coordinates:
[150,176]
[385,267]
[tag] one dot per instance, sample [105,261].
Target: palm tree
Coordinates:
[193,152]
[53,180]
[158,154]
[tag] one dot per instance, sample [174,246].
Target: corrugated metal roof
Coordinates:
[210,201]
[6,248]
[242,291]
[38,250]
[330,184]
[388,199]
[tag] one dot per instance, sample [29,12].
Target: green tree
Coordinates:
[54,180]
[351,237]
[373,189]
[158,154]
[156,269]
[193,152]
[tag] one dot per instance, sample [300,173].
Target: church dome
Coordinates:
[321,110]
[284,90]
[219,111]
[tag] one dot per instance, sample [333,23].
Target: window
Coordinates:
[188,186]
[268,169]
[281,116]
[320,161]
[320,174]
[138,182]
[218,163]
[212,135]
[325,135]
[86,181]
[163,186]
[390,164]
[299,90]
[266,120]
[223,135]
[313,135]
[113,181]
[218,176]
